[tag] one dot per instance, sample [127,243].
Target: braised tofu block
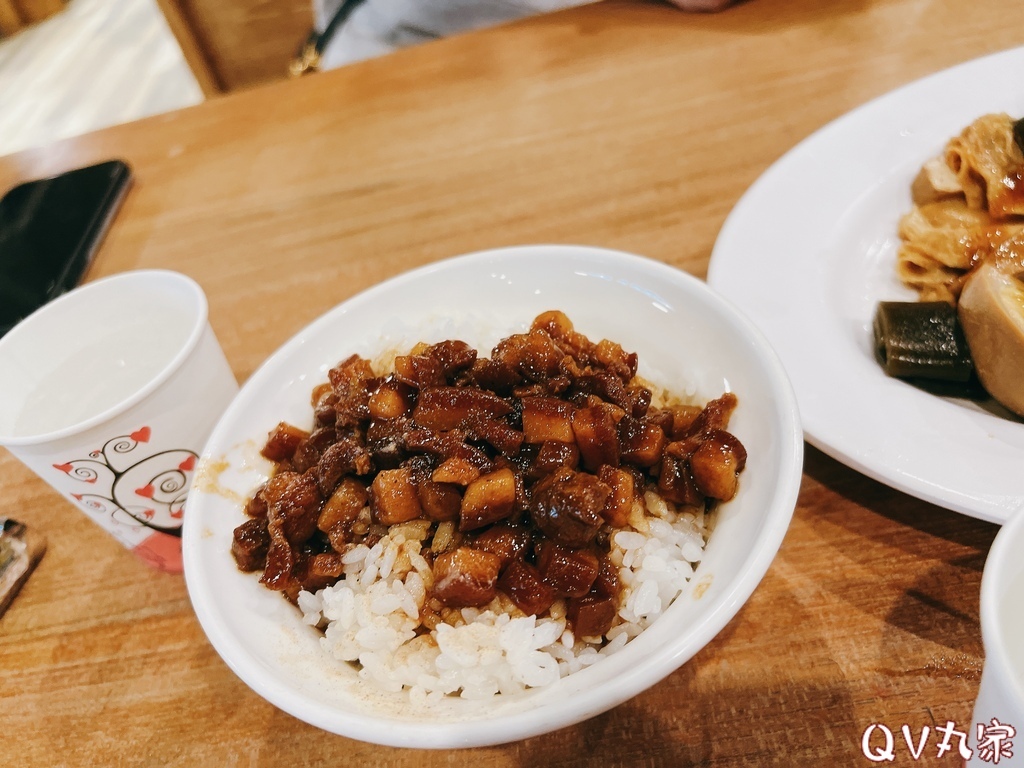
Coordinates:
[394,498]
[487,499]
[465,577]
[567,506]
[282,442]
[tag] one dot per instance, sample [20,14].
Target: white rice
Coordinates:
[371,615]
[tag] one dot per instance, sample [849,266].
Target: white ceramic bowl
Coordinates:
[1001,692]
[685,336]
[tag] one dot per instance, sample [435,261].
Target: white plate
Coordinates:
[685,336]
[809,251]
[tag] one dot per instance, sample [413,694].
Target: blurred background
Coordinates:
[72,66]
[67,68]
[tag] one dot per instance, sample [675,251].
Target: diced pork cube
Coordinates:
[465,577]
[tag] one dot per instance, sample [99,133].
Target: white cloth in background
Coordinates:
[380,26]
[94,64]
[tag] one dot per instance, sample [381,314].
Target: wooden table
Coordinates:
[628,125]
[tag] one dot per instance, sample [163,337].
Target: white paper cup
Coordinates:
[1000,700]
[109,393]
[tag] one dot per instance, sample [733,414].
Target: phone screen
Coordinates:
[49,232]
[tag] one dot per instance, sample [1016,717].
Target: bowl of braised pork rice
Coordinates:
[492,497]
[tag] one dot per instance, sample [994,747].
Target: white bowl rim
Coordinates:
[649,670]
[995,579]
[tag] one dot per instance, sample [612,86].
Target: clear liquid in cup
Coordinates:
[75,382]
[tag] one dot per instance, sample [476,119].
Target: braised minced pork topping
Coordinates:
[521,464]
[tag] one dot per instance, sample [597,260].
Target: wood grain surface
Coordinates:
[624,124]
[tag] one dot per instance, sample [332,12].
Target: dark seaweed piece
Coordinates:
[922,340]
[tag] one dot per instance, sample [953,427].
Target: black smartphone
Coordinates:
[50,230]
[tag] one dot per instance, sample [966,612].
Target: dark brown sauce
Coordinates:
[1009,199]
[521,466]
